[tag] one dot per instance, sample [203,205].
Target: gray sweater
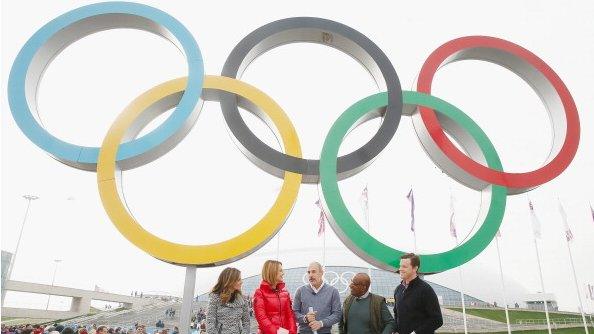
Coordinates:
[326,304]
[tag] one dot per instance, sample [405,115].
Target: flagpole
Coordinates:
[568,238]
[546,307]
[454,234]
[322,228]
[324,247]
[369,232]
[591,296]
[592,306]
[577,287]
[536,234]
[589,304]
[462,295]
[411,198]
[277,245]
[503,285]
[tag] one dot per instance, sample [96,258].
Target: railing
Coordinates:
[562,321]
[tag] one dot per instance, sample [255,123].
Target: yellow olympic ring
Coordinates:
[197,255]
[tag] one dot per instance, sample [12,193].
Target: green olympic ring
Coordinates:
[365,245]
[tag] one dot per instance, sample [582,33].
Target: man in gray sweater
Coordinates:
[317,304]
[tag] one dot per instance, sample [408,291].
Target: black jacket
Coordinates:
[416,308]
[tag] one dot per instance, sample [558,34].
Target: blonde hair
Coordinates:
[224,287]
[270,272]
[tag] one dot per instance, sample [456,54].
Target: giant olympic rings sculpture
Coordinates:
[479,169]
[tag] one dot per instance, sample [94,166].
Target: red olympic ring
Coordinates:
[463,48]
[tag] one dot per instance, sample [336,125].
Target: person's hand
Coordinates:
[315,325]
[311,316]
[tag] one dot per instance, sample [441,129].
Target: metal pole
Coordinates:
[367,220]
[324,246]
[29,198]
[577,288]
[462,296]
[503,286]
[186,309]
[53,280]
[546,307]
[277,245]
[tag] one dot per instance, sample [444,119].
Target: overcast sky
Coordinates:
[205,190]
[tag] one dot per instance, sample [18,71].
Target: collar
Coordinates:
[316,290]
[267,287]
[364,296]
[412,282]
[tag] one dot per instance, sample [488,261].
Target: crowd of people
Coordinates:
[170,313]
[62,329]
[316,307]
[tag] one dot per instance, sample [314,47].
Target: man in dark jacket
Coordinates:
[416,308]
[364,312]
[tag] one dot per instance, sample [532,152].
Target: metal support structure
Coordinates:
[186,310]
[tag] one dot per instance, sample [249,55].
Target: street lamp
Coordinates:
[56,261]
[29,198]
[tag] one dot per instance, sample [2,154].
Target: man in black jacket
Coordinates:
[416,308]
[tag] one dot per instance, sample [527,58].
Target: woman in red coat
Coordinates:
[272,302]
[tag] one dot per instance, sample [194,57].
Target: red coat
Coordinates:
[273,309]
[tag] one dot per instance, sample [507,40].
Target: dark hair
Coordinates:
[415,261]
[224,287]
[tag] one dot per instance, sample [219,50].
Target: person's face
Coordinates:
[315,274]
[407,271]
[280,274]
[102,331]
[237,285]
[358,286]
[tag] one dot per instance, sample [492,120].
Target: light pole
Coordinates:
[56,261]
[29,198]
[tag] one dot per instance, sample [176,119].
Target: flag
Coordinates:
[452,224]
[568,234]
[535,222]
[365,203]
[321,219]
[411,198]
[321,224]
[319,205]
[590,291]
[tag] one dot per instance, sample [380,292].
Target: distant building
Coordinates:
[535,301]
